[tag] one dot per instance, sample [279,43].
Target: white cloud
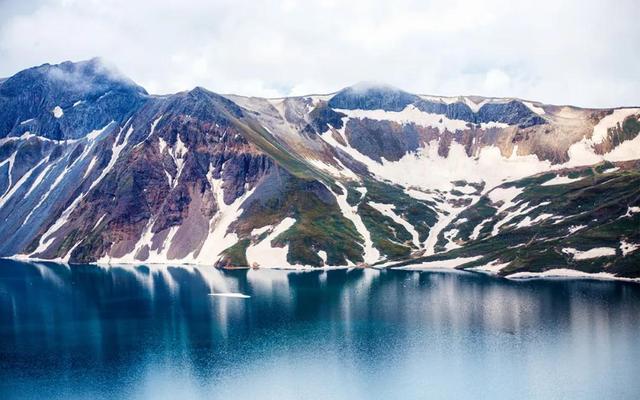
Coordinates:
[576,52]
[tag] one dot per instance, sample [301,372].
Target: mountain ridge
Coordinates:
[357,177]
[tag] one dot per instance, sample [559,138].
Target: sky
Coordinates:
[580,52]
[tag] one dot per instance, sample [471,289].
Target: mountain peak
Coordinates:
[85,95]
[372,96]
[79,78]
[367,86]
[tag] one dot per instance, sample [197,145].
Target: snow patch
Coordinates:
[264,255]
[219,239]
[161,145]
[388,211]
[442,264]
[92,163]
[476,230]
[527,221]
[582,152]
[57,112]
[601,130]
[409,115]
[36,182]
[371,254]
[628,247]
[632,210]
[591,253]
[561,180]
[536,109]
[323,256]
[492,268]
[505,196]
[576,228]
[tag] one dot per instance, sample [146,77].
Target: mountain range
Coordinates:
[93,169]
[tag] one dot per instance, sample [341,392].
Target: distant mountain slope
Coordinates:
[92,168]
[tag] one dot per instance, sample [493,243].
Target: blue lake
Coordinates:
[88,332]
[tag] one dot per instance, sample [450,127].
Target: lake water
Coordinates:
[154,333]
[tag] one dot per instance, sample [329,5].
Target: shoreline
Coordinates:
[550,274]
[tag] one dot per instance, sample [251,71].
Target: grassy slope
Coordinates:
[319,226]
[599,201]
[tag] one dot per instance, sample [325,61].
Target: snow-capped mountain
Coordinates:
[94,169]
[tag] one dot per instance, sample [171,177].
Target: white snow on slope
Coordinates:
[576,228]
[524,209]
[475,107]
[476,230]
[371,254]
[600,131]
[527,221]
[561,180]
[492,268]
[36,182]
[161,145]
[152,129]
[488,165]
[323,256]
[10,161]
[47,238]
[441,99]
[154,256]
[265,255]
[510,215]
[218,238]
[582,153]
[428,170]
[12,190]
[534,108]
[92,163]
[57,112]
[388,210]
[628,247]
[178,153]
[504,196]
[631,210]
[443,264]
[450,237]
[411,114]
[591,253]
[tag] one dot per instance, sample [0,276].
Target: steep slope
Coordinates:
[583,219]
[368,175]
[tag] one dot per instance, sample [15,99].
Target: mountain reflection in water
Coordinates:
[154,332]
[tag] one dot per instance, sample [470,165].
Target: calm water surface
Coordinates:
[154,333]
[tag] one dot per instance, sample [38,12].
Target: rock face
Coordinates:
[94,169]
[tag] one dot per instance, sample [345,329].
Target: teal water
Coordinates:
[88,332]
